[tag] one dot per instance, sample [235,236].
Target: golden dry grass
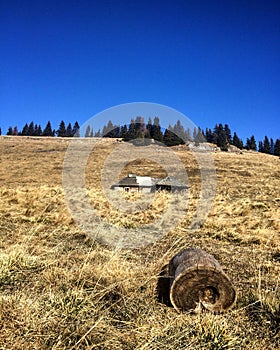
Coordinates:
[59,289]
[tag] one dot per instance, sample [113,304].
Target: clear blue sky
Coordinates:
[215,61]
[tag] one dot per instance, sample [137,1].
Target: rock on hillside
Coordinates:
[234,149]
[203,147]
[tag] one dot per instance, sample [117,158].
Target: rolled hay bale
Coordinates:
[197,282]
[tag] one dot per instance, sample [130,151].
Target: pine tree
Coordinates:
[209,135]
[10,131]
[76,130]
[194,133]
[111,130]
[220,137]
[37,130]
[179,130]
[0,131]
[266,145]
[40,132]
[253,143]
[140,127]
[87,133]
[48,130]
[271,146]
[222,141]
[30,131]
[98,133]
[217,130]
[277,148]
[69,131]
[61,132]
[116,132]
[261,147]
[91,133]
[157,134]
[228,134]
[131,132]
[200,138]
[248,145]
[123,131]
[24,131]
[188,136]
[149,127]
[15,131]
[236,141]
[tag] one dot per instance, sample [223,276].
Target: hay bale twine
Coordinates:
[198,282]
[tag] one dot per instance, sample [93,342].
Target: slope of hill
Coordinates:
[60,289]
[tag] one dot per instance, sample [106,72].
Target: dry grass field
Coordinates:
[60,289]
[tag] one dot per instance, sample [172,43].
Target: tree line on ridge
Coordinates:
[143,133]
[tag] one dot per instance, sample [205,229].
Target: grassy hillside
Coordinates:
[59,289]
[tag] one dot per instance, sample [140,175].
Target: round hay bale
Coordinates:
[198,282]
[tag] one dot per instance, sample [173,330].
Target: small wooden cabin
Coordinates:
[134,183]
[171,184]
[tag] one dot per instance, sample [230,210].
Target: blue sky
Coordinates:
[214,61]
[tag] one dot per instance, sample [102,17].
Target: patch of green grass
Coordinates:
[15,265]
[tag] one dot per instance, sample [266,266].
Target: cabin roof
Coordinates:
[171,181]
[134,181]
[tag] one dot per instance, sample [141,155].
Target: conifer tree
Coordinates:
[222,141]
[209,135]
[277,148]
[131,132]
[61,132]
[24,131]
[220,137]
[76,130]
[15,131]
[149,128]
[30,131]
[123,131]
[111,130]
[236,141]
[48,130]
[10,131]
[87,133]
[217,130]
[228,134]
[188,136]
[140,126]
[91,133]
[194,133]
[0,131]
[266,145]
[98,133]
[261,147]
[179,130]
[116,131]
[248,144]
[157,134]
[200,138]
[271,146]
[69,130]
[37,130]
[253,143]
